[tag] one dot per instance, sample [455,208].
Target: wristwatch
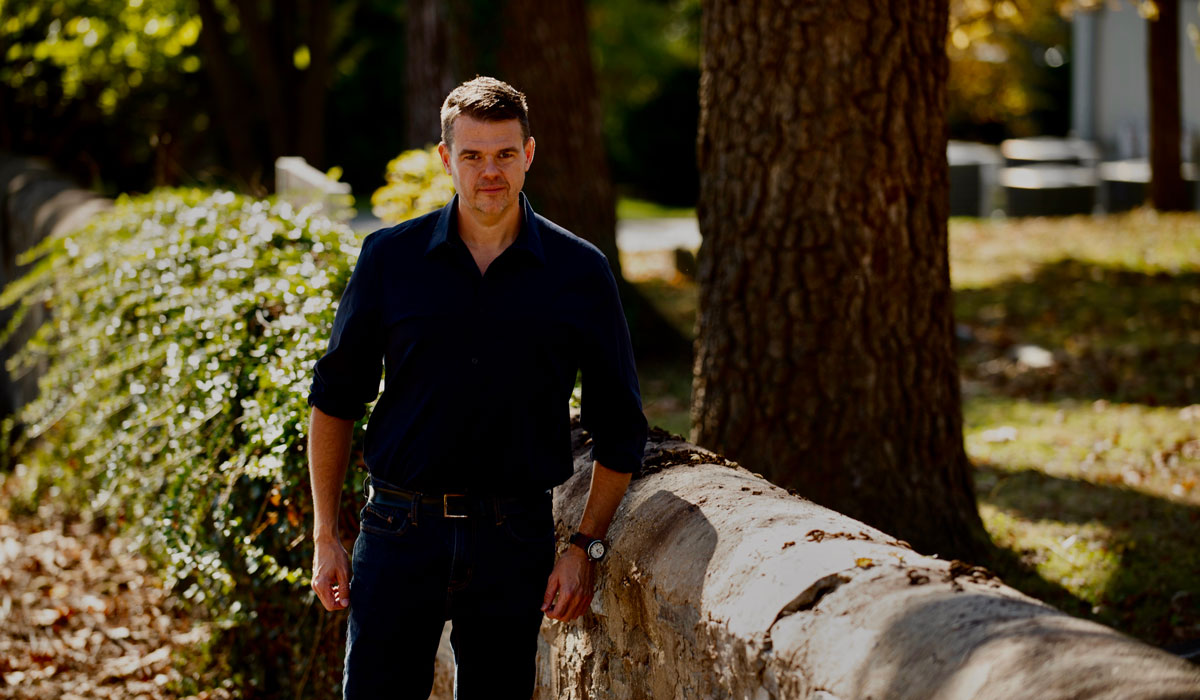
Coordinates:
[594,548]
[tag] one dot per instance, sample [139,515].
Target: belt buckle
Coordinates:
[446,505]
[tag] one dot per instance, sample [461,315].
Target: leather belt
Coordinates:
[452,505]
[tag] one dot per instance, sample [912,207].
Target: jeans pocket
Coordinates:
[387,521]
[534,526]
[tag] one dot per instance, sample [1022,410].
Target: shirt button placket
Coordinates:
[477,322]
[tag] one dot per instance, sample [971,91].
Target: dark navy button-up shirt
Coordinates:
[480,368]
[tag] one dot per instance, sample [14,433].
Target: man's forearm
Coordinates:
[328,456]
[607,489]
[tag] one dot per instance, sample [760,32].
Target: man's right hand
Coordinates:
[331,574]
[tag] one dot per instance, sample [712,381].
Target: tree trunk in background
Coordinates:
[314,84]
[545,54]
[1167,189]
[825,355]
[260,40]
[229,94]
[429,73]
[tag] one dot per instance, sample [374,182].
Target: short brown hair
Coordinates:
[485,99]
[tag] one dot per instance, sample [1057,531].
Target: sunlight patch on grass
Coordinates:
[1154,450]
[1100,500]
[983,253]
[1083,559]
[631,208]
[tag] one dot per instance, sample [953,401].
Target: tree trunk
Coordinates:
[228,91]
[1167,190]
[545,54]
[429,72]
[825,355]
[314,84]
[261,42]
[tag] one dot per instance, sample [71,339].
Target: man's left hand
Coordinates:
[573,582]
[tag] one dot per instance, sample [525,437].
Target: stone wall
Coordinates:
[720,585]
[35,202]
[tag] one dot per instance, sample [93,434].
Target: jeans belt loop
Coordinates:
[415,508]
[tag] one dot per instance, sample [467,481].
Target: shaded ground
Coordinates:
[83,617]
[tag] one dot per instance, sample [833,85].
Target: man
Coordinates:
[482,314]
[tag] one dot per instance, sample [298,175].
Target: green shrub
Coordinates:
[176,364]
[416,184]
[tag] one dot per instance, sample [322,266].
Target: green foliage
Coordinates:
[100,87]
[416,184]
[647,61]
[99,49]
[184,326]
[1009,67]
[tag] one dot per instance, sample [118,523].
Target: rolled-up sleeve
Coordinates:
[611,409]
[346,378]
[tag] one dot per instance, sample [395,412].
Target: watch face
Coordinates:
[596,550]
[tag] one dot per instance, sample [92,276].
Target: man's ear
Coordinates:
[529,148]
[444,152]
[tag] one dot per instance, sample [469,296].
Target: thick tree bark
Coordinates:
[1167,190]
[825,355]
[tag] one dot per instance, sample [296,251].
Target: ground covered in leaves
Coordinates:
[83,616]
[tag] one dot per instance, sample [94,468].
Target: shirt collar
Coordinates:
[529,237]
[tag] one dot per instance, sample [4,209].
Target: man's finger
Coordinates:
[320,584]
[566,597]
[342,599]
[551,591]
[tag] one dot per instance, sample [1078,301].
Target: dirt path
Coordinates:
[82,616]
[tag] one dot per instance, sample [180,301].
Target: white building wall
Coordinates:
[1119,86]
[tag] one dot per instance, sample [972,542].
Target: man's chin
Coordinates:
[493,204]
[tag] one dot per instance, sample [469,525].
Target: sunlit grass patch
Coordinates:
[1100,501]
[985,252]
[1155,449]
[631,208]
[1083,559]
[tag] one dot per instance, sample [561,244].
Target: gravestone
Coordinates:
[302,185]
[1049,176]
[974,169]
[1125,184]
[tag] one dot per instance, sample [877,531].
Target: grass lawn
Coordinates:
[630,208]
[1080,361]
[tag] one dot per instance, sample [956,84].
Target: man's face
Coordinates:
[487,163]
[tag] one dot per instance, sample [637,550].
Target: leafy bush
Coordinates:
[177,359]
[416,184]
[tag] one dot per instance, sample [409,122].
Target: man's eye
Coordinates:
[470,156]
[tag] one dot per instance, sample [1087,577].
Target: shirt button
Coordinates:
[474,360]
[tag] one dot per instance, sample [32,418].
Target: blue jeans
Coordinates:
[414,569]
